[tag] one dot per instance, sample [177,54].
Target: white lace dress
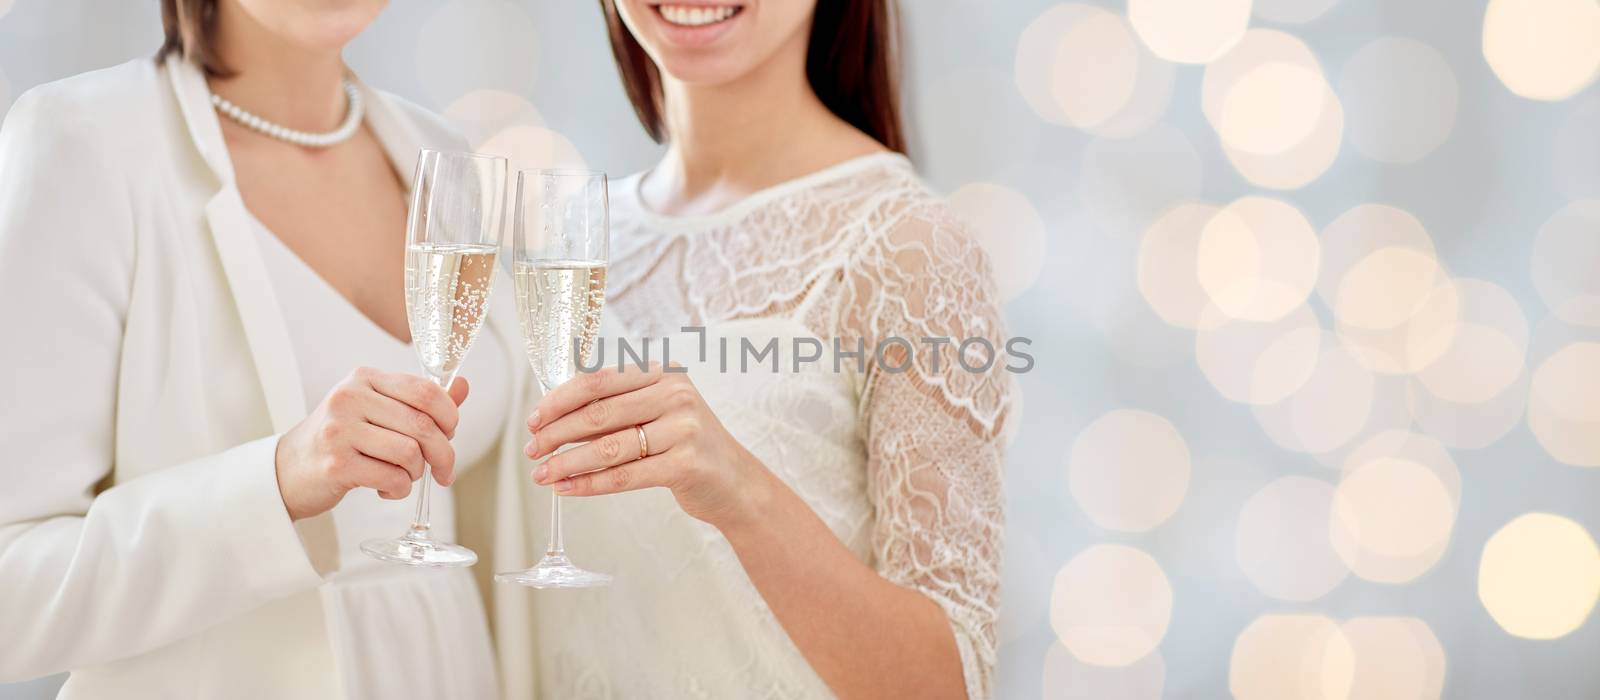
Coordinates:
[903,467]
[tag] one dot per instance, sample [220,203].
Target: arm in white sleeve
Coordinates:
[88,576]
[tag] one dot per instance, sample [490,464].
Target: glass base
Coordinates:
[417,549]
[555,571]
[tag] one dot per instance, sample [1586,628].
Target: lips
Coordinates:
[696,16]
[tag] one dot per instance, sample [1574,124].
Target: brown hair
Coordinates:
[191,27]
[850,63]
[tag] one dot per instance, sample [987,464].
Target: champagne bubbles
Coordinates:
[1010,230]
[1111,605]
[1129,470]
[1189,31]
[1543,49]
[1539,576]
[1400,100]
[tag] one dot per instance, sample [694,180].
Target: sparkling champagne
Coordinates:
[447,297]
[560,303]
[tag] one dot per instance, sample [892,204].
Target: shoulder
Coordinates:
[913,225]
[83,102]
[435,131]
[95,115]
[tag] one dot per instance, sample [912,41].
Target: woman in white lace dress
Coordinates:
[829,526]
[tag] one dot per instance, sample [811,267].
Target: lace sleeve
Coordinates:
[934,431]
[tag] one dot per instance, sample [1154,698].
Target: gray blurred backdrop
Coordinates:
[1314,310]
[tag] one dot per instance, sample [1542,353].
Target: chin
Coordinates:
[709,42]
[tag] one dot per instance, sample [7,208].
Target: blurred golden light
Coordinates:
[1399,98]
[1361,231]
[1272,108]
[1412,447]
[1257,363]
[5,6]
[1564,255]
[1391,519]
[1562,409]
[1067,678]
[1291,656]
[1126,183]
[1310,156]
[1292,11]
[1152,93]
[1328,411]
[1189,31]
[1125,94]
[1396,658]
[1129,470]
[1111,605]
[1543,49]
[1413,345]
[1036,58]
[1168,275]
[1089,97]
[1468,426]
[533,147]
[503,56]
[1483,354]
[1281,541]
[1010,230]
[1387,288]
[1257,259]
[481,114]
[1539,576]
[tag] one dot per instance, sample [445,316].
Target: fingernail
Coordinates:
[533,420]
[540,473]
[563,486]
[530,449]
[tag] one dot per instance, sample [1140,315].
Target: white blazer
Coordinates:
[143,542]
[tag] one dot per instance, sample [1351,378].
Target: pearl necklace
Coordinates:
[352,122]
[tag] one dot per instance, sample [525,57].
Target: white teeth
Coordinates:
[695,16]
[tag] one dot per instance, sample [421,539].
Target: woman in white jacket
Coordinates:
[211,396]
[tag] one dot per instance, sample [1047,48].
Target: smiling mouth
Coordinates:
[697,15]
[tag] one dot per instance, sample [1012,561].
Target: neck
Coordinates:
[744,135]
[279,81]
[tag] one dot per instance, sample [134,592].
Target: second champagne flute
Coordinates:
[452,237]
[560,242]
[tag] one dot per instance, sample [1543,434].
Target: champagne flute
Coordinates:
[452,237]
[559,248]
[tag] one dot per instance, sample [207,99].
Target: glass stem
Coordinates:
[419,524]
[556,548]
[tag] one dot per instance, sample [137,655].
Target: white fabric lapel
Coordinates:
[259,314]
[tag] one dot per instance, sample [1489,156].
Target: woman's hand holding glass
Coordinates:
[685,447]
[377,430]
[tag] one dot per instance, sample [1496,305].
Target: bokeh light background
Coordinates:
[1313,291]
